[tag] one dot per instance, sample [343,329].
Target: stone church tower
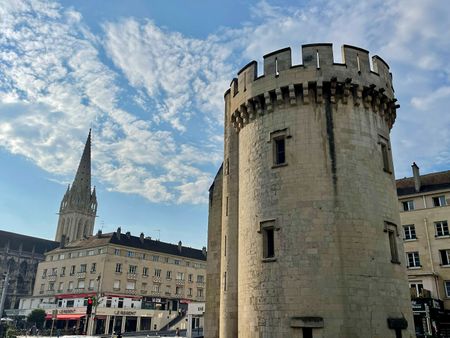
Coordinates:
[79,204]
[304,228]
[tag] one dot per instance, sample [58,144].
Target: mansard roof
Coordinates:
[131,241]
[428,183]
[15,240]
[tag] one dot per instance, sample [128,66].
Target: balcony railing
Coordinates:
[130,291]
[131,275]
[81,274]
[179,282]
[51,278]
[157,279]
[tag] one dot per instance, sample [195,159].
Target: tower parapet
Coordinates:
[355,81]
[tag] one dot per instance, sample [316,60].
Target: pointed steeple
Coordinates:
[82,180]
[79,205]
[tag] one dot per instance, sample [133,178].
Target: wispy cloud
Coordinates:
[155,97]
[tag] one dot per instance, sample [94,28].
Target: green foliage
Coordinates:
[37,316]
[11,332]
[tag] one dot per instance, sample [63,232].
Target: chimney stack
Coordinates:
[128,235]
[416,175]
[99,233]
[204,251]
[142,238]
[179,246]
[119,230]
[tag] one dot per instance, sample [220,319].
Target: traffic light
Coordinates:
[89,306]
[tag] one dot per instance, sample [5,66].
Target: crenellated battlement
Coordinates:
[358,80]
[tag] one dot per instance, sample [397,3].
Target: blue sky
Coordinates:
[149,76]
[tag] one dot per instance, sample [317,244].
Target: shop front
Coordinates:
[430,318]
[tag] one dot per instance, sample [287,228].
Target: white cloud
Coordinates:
[157,112]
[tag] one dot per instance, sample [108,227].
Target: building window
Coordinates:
[90,253]
[179,290]
[131,285]
[166,259]
[63,271]
[91,284]
[120,303]
[410,231]
[447,288]
[169,275]
[385,150]
[180,276]
[445,257]
[408,205]
[176,262]
[145,271]
[70,303]
[200,292]
[441,228]
[130,254]
[279,150]
[190,292]
[200,279]
[155,288]
[93,267]
[83,268]
[190,279]
[117,252]
[118,267]
[61,286]
[132,269]
[391,230]
[157,272]
[439,201]
[61,256]
[416,289]
[70,287]
[80,284]
[108,302]
[116,284]
[155,258]
[51,286]
[267,230]
[44,273]
[413,259]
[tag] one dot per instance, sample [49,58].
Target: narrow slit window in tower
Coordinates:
[307,332]
[268,243]
[225,281]
[280,150]
[391,230]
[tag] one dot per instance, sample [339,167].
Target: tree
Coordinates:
[37,316]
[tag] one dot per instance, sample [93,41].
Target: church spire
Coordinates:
[79,205]
[82,180]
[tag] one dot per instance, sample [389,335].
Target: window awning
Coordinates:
[65,316]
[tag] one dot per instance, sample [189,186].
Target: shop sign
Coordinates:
[156,300]
[66,311]
[416,306]
[124,313]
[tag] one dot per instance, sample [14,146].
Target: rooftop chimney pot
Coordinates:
[416,175]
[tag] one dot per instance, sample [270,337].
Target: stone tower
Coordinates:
[307,226]
[79,204]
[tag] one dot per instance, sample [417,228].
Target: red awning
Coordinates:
[65,317]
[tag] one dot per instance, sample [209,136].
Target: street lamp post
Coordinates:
[93,318]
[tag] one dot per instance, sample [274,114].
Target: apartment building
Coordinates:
[424,202]
[138,283]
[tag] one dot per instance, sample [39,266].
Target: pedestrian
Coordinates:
[177,332]
[119,335]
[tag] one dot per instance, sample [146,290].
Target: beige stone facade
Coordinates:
[424,204]
[310,231]
[126,273]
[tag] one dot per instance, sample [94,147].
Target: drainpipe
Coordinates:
[431,258]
